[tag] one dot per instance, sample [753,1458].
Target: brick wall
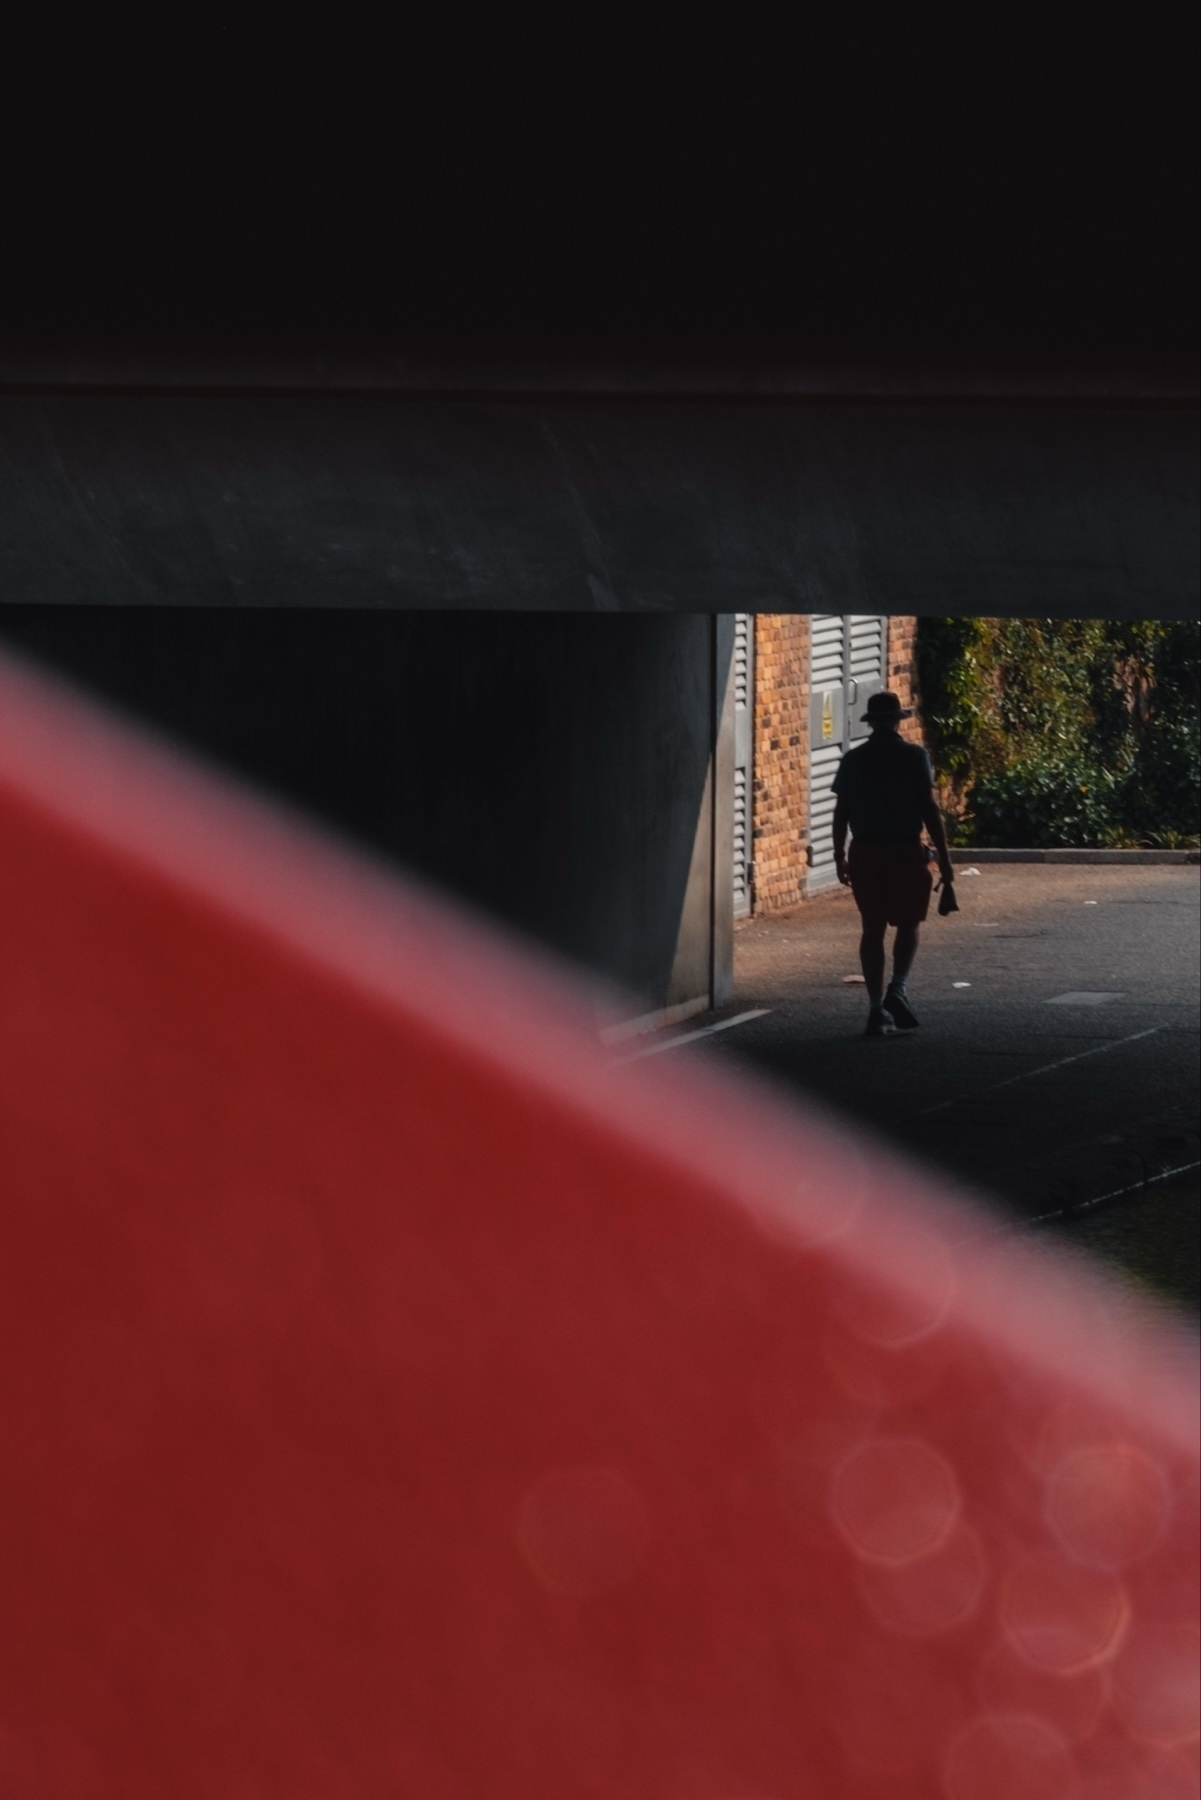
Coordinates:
[780,806]
[902,672]
[781,800]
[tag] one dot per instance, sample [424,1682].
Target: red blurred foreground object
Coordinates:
[398,1400]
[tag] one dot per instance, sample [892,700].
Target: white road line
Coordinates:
[1135,1187]
[687,1037]
[1029,1074]
[1011,1227]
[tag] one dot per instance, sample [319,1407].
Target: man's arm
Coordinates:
[932,820]
[840,840]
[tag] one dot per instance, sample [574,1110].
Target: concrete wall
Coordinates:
[555,770]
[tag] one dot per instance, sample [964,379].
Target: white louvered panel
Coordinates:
[827,670]
[825,650]
[867,648]
[823,765]
[743,679]
[742,659]
[742,837]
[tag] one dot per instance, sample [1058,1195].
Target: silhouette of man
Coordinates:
[885,793]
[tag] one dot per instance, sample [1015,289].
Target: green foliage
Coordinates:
[1064,731]
[1163,790]
[1043,801]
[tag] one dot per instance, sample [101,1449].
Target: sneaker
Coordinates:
[903,1014]
[879,1024]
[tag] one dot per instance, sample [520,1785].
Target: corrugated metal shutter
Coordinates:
[744,699]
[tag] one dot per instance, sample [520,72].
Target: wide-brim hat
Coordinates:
[882,706]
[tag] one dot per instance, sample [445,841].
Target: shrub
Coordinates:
[1064,731]
[1039,803]
[1163,790]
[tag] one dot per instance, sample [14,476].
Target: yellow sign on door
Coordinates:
[827,716]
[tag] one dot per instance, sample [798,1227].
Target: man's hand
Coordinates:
[840,868]
[946,870]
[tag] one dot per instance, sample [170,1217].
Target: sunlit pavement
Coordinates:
[1057,1058]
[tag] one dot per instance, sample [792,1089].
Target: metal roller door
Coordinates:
[867,662]
[744,701]
[847,663]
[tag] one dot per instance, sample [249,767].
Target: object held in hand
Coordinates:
[947,903]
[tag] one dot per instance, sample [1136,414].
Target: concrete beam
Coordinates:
[1014,504]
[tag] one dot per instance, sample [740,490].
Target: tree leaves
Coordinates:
[1064,731]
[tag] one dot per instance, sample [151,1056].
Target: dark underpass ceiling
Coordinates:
[999,187]
[1000,205]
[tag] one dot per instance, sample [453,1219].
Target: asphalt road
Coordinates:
[1056,1064]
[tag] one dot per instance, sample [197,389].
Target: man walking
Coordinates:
[885,793]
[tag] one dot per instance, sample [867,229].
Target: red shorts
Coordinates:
[891,883]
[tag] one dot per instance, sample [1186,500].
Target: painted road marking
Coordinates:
[1010,1227]
[1135,1187]
[1081,999]
[688,1037]
[651,1021]
[1029,1074]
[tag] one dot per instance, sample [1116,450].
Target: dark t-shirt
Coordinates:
[884,783]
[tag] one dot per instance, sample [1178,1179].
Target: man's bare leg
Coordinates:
[904,949]
[896,1000]
[871,961]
